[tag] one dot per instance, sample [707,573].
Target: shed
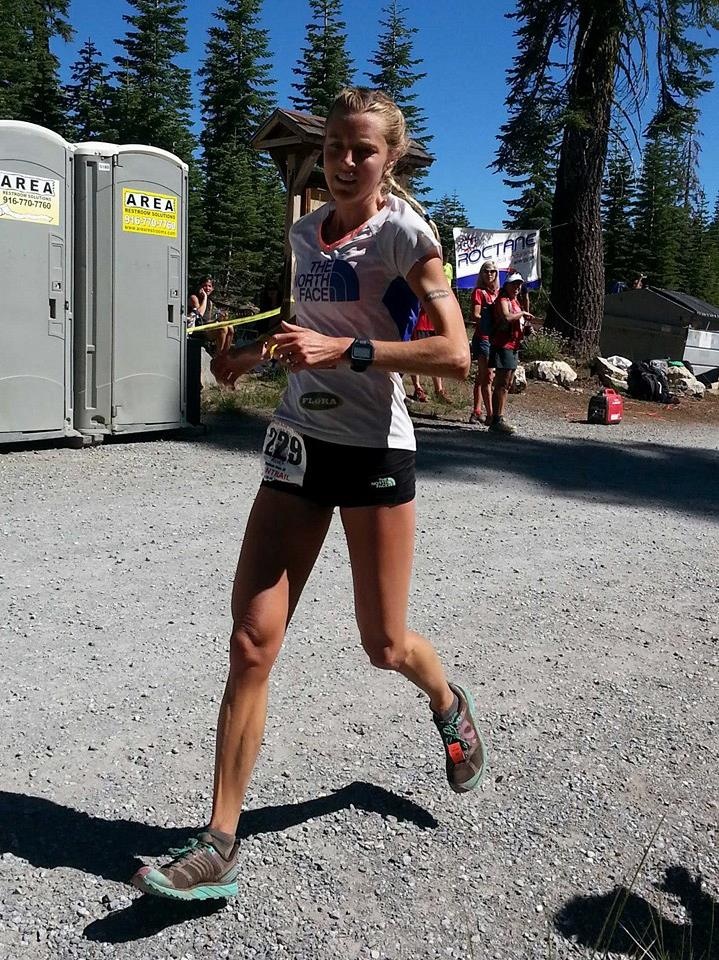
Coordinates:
[652,323]
[294,141]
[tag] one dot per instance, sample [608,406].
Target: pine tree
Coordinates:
[395,73]
[16,64]
[449,212]
[30,87]
[153,100]
[661,222]
[89,97]
[711,292]
[237,89]
[697,259]
[397,77]
[617,206]
[531,168]
[599,42]
[325,66]
[245,203]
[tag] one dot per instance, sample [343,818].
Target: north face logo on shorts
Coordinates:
[383,483]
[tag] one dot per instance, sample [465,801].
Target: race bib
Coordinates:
[284,454]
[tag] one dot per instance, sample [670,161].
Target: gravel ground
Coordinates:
[568,575]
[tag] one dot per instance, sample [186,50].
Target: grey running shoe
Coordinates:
[463,744]
[476,418]
[198,871]
[500,425]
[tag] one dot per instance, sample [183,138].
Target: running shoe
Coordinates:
[500,425]
[198,871]
[464,748]
[475,417]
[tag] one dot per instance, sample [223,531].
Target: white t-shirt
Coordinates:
[356,287]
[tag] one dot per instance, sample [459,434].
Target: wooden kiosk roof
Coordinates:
[288,132]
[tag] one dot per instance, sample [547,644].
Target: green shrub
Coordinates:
[544,345]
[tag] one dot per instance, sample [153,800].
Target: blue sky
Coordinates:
[466,49]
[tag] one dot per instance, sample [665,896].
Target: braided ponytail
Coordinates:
[399,190]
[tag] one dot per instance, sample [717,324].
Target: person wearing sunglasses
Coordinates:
[483,297]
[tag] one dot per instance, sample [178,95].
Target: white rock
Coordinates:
[620,362]
[610,375]
[519,384]
[685,382]
[553,371]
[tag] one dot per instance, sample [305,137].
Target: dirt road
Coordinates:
[569,575]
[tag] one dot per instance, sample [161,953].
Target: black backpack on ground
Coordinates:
[647,382]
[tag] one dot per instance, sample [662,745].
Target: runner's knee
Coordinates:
[252,648]
[385,652]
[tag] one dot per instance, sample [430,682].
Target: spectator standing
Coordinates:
[508,329]
[483,297]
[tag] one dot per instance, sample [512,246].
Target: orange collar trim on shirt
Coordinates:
[348,236]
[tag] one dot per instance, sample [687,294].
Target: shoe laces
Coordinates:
[449,730]
[192,846]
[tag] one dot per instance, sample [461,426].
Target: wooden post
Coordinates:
[299,169]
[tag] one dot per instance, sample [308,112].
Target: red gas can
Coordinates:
[606,406]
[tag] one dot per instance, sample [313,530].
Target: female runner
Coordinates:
[341,438]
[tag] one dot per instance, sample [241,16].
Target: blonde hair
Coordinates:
[488,264]
[365,100]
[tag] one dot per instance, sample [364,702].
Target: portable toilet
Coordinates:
[35,275]
[130,288]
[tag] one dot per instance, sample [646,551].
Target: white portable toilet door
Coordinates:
[147,261]
[34,184]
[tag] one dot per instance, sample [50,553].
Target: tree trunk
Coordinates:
[577,293]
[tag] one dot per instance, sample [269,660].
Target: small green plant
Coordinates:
[544,345]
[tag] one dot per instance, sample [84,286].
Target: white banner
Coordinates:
[511,250]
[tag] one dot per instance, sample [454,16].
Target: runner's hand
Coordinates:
[301,349]
[223,369]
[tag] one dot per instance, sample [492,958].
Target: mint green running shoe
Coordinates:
[465,750]
[198,871]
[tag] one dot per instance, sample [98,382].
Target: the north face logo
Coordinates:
[383,483]
[329,281]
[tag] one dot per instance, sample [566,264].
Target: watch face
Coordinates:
[362,351]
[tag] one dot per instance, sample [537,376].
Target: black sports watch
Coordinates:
[361,355]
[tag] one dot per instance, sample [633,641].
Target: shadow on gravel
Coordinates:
[647,474]
[47,834]
[146,917]
[623,922]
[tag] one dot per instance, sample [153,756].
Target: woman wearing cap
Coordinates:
[508,329]
[483,297]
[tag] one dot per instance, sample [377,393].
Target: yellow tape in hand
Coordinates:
[242,321]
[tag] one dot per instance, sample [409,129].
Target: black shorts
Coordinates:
[336,475]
